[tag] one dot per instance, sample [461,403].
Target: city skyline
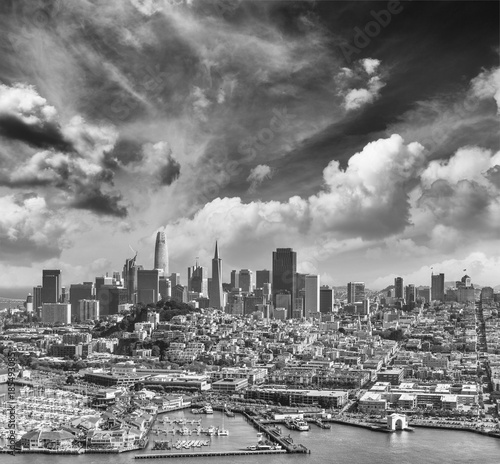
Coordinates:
[317,126]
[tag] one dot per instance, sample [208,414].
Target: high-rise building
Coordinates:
[284,270]
[165,288]
[198,279]
[284,300]
[398,287]
[262,277]
[487,295]
[148,285]
[88,310]
[235,279]
[424,294]
[37,298]
[216,296]
[130,279]
[79,292]
[51,286]
[56,313]
[246,280]
[312,295]
[355,292]
[161,253]
[437,287]
[180,294]
[326,299]
[410,294]
[300,283]
[110,298]
[175,279]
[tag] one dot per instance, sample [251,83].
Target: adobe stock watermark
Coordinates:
[11,403]
[363,37]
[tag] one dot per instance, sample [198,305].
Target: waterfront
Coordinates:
[344,444]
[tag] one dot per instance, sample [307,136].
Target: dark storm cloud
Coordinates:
[45,136]
[100,203]
[170,172]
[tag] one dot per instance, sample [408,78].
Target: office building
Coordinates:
[165,288]
[56,313]
[284,300]
[410,294]
[77,292]
[284,274]
[311,295]
[110,298]
[235,279]
[300,283]
[51,286]
[37,298]
[355,292]
[398,287]
[216,295]
[148,285]
[180,294]
[161,254]
[88,310]
[130,279]
[198,279]
[175,279]
[246,280]
[326,299]
[437,287]
[262,277]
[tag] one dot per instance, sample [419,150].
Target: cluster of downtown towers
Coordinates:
[292,294]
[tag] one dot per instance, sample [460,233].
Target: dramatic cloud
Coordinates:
[368,90]
[258,174]
[26,116]
[487,85]
[30,231]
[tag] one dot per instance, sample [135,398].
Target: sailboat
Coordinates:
[222,432]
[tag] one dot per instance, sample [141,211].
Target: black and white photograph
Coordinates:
[240,231]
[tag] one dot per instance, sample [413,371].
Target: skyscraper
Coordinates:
[130,279]
[262,277]
[79,292]
[355,292]
[148,285]
[284,270]
[51,286]
[161,253]
[235,279]
[326,299]
[410,294]
[198,279]
[246,280]
[216,296]
[398,287]
[437,287]
[312,295]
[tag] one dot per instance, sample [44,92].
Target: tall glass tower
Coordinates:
[161,253]
[284,274]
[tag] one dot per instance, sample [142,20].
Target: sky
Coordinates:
[364,135]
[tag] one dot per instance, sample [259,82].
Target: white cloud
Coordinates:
[258,174]
[487,85]
[370,65]
[23,102]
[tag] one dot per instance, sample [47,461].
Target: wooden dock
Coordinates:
[207,454]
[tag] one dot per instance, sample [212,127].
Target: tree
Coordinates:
[70,380]
[155,351]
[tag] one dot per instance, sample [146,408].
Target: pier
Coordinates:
[276,437]
[207,454]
